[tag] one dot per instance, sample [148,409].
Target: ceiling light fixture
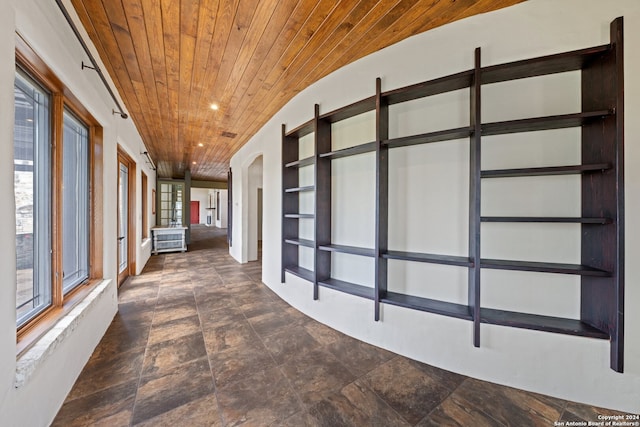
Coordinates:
[214,107]
[193,163]
[200,144]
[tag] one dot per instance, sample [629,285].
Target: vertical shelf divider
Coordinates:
[474,198]
[382,197]
[290,153]
[322,259]
[602,298]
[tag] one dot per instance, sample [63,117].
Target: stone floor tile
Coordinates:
[408,390]
[112,406]
[182,385]
[263,398]
[316,374]
[289,342]
[163,357]
[200,412]
[239,363]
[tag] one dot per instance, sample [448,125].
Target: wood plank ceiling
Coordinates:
[172,59]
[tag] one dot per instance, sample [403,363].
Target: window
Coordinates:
[171,209]
[143,204]
[57,160]
[75,202]
[32,189]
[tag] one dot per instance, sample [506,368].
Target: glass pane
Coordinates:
[123,210]
[75,203]
[32,198]
[171,204]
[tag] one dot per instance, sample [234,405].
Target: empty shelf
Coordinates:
[299,189]
[540,323]
[542,123]
[300,216]
[432,87]
[429,258]
[349,288]
[550,64]
[353,250]
[357,108]
[543,219]
[351,151]
[301,242]
[301,163]
[543,267]
[425,138]
[545,171]
[429,305]
[300,272]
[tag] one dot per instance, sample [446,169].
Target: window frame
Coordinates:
[144,206]
[61,97]
[40,193]
[83,218]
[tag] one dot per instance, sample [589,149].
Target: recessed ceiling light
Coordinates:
[193,163]
[200,144]
[214,106]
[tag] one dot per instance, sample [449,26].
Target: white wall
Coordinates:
[221,208]
[42,25]
[573,368]
[201,195]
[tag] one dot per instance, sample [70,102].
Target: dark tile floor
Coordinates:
[200,341]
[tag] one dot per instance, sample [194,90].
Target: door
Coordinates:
[126,208]
[195,212]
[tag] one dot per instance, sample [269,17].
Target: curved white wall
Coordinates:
[573,368]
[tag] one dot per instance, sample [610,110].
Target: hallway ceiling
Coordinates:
[172,59]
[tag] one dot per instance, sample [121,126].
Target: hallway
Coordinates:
[199,340]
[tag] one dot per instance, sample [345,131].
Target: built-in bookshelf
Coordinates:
[601,222]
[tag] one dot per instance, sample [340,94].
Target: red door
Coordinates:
[195,212]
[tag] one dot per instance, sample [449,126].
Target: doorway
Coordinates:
[254,193]
[195,212]
[126,216]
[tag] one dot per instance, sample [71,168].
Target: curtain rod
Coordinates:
[64,11]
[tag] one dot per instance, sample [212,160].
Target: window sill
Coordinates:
[44,346]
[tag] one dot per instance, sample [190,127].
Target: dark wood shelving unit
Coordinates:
[601,172]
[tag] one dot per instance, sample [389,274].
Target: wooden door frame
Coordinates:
[125,159]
